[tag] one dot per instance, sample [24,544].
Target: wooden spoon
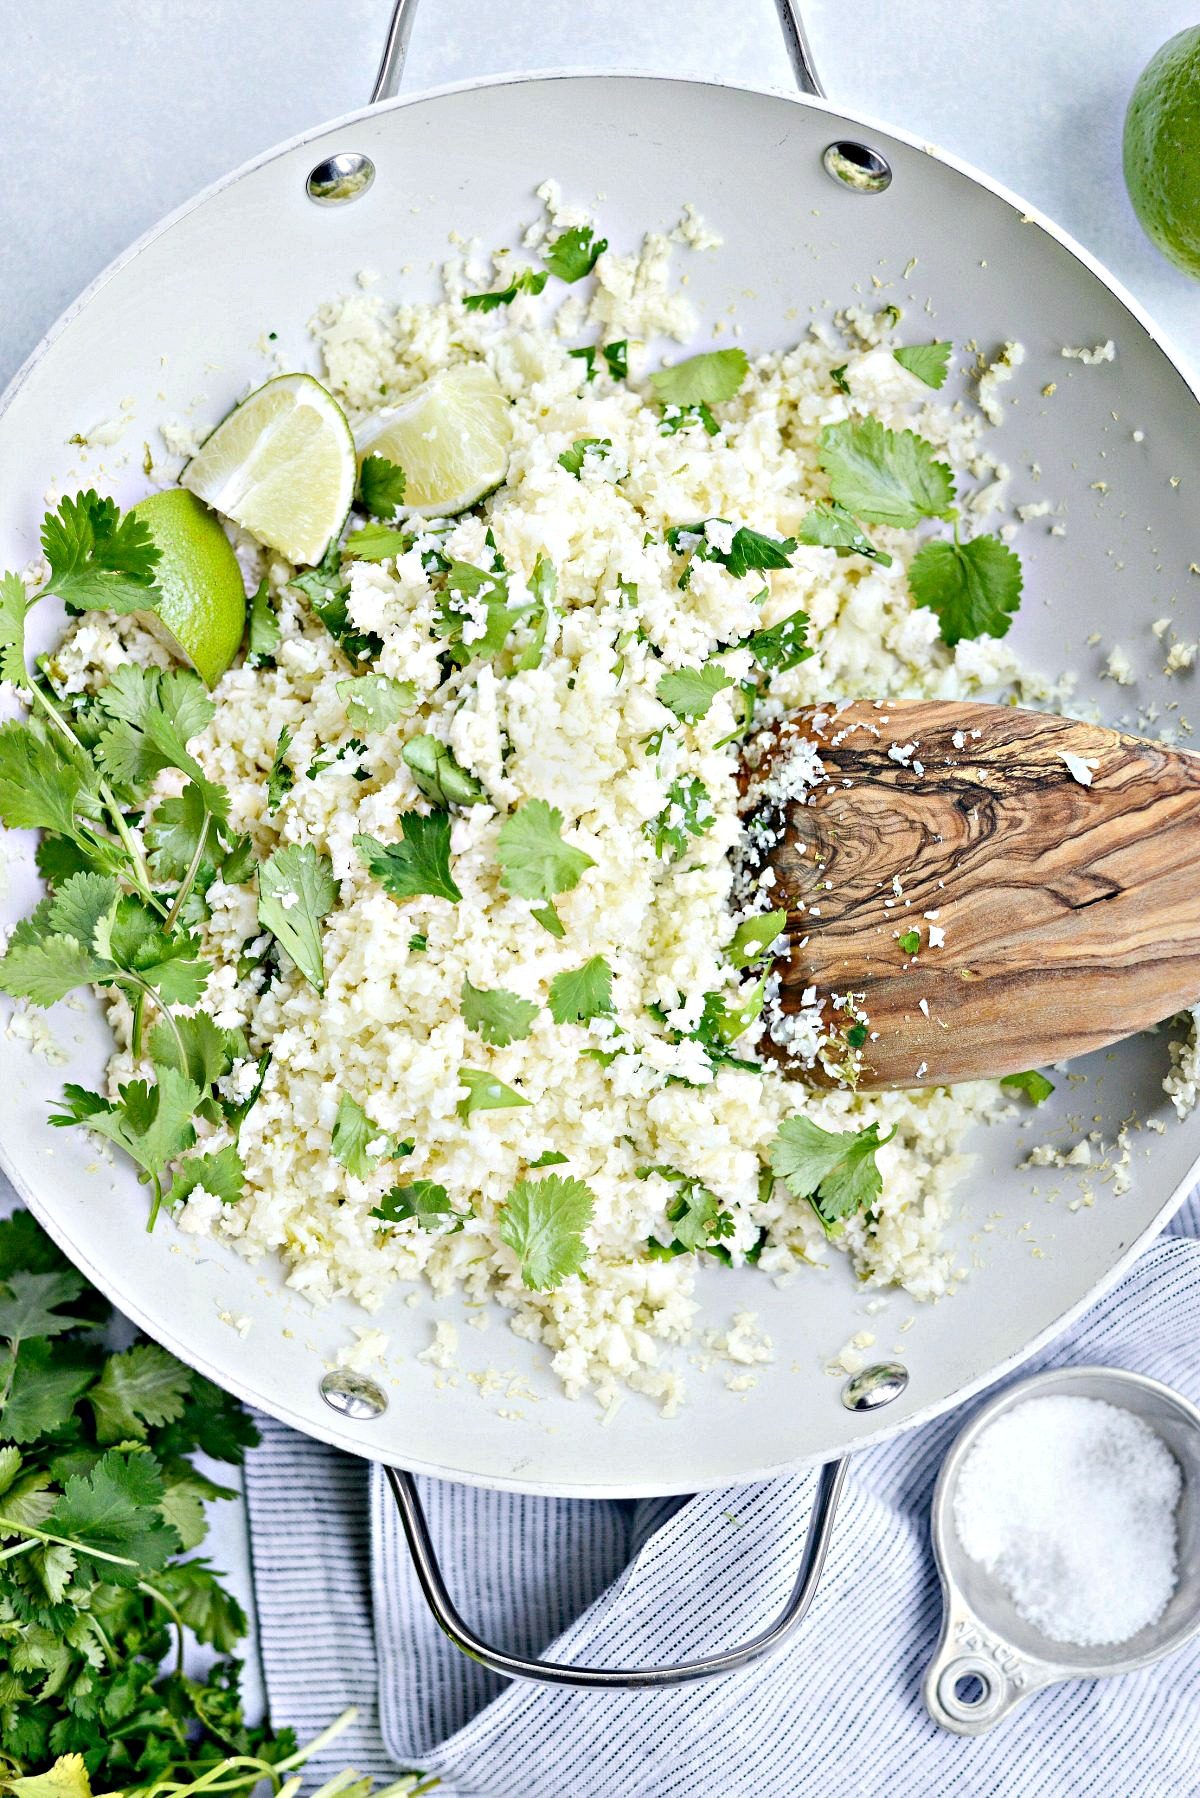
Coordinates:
[1051,870]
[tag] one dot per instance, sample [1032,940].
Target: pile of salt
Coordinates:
[1070,1504]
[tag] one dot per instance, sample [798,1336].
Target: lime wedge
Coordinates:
[282,466]
[202,606]
[451,438]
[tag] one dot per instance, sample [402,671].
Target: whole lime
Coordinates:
[202,602]
[1162,149]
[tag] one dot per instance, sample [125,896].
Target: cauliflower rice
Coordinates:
[572,732]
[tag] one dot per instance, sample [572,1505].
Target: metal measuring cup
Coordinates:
[988,1658]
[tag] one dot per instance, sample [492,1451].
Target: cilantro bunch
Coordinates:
[101,1510]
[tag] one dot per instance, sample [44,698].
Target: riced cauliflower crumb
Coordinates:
[1103,352]
[1118,667]
[369,1347]
[995,374]
[443,1350]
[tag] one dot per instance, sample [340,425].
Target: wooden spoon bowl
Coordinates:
[1050,869]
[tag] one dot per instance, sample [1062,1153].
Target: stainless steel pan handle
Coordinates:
[391,63]
[830,1481]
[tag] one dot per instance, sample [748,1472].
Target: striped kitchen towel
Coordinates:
[836,1714]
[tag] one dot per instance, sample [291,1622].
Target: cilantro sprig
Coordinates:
[835,1170]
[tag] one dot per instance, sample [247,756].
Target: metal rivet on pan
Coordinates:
[875,1386]
[353,1395]
[857,166]
[346,176]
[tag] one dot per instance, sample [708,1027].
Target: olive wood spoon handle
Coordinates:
[1068,914]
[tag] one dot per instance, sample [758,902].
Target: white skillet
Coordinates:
[172,325]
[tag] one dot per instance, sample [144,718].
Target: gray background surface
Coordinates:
[115,111]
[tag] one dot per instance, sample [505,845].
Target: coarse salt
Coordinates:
[1070,1504]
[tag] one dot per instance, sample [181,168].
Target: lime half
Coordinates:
[1162,149]
[202,608]
[282,466]
[451,438]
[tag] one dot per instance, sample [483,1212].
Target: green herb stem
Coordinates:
[140,873]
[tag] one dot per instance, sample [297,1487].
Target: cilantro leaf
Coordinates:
[574,458]
[829,526]
[132,938]
[930,362]
[497,1015]
[143,1386]
[29,1302]
[46,1382]
[754,936]
[418,864]
[42,966]
[263,635]
[838,377]
[478,596]
[353,1137]
[688,813]
[153,715]
[1035,1086]
[616,355]
[682,418]
[212,1614]
[153,1124]
[543,585]
[485,1093]
[543,1223]
[574,253]
[525,280]
[375,701]
[439,775]
[910,941]
[14,604]
[586,355]
[114,1510]
[376,543]
[174,830]
[694,1212]
[688,692]
[707,379]
[535,862]
[423,1200]
[280,780]
[550,1158]
[221,1173]
[328,592]
[100,560]
[381,486]
[834,1170]
[781,646]
[578,994]
[748,550]
[296,889]
[45,780]
[973,587]
[887,477]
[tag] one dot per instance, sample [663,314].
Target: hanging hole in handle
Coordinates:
[970,1690]
[857,166]
[340,178]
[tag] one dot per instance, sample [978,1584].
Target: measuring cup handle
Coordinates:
[974,1680]
[830,1480]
